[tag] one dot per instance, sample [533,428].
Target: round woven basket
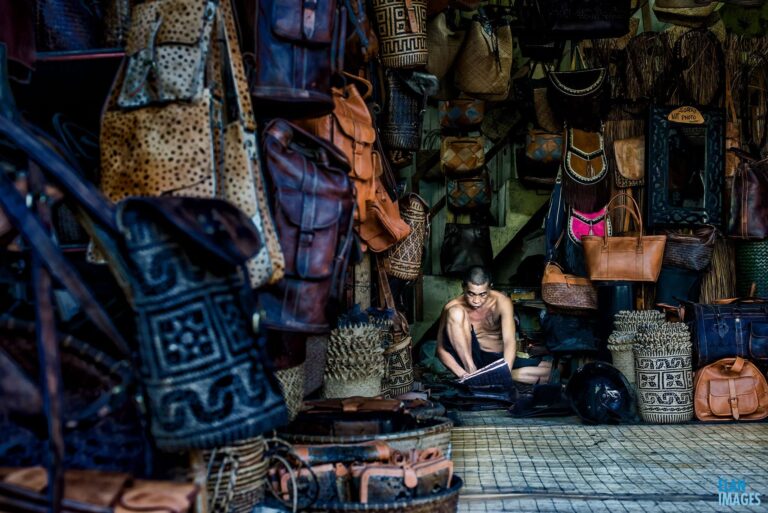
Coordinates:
[236,477]
[664,382]
[398,376]
[406,432]
[292,385]
[400,44]
[443,502]
[404,258]
[631,320]
[620,346]
[335,388]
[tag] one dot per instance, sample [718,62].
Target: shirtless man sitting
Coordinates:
[478,327]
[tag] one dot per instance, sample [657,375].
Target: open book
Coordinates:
[494,374]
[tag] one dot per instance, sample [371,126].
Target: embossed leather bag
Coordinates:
[730,389]
[298,48]
[736,328]
[462,156]
[748,217]
[350,128]
[470,194]
[484,65]
[444,43]
[630,161]
[402,27]
[461,113]
[627,258]
[313,201]
[566,291]
[690,251]
[585,170]
[582,97]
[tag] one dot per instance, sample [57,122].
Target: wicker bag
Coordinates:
[566,291]
[631,320]
[402,26]
[692,251]
[354,365]
[620,345]
[484,66]
[444,44]
[664,373]
[403,260]
[236,476]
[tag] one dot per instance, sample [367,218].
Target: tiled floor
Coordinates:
[553,466]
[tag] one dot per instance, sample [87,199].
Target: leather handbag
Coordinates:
[736,328]
[465,246]
[350,128]
[585,170]
[730,389]
[581,97]
[566,291]
[588,223]
[383,227]
[748,217]
[470,194]
[462,156]
[587,19]
[538,162]
[297,48]
[312,199]
[630,161]
[461,113]
[444,42]
[628,258]
[693,252]
[403,260]
[484,65]
[402,27]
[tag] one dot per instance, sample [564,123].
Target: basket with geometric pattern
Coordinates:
[403,260]
[398,374]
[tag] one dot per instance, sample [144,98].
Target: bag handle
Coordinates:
[634,211]
[737,366]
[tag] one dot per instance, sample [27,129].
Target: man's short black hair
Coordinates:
[476,275]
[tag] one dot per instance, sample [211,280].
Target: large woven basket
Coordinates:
[404,432]
[236,477]
[292,385]
[401,44]
[404,258]
[752,267]
[341,388]
[620,346]
[398,376]
[443,502]
[631,320]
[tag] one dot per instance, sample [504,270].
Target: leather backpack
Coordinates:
[350,128]
[748,218]
[313,201]
[297,49]
[730,389]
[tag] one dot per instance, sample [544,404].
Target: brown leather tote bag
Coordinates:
[730,389]
[630,258]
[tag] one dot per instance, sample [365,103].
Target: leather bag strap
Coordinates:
[733,399]
[738,365]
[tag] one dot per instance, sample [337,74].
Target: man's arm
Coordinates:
[508,329]
[448,360]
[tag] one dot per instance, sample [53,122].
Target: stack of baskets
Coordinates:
[236,476]
[620,342]
[355,363]
[664,375]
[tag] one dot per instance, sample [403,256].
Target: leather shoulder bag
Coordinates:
[694,251]
[484,65]
[585,170]
[470,194]
[628,258]
[566,291]
[748,219]
[630,161]
[462,156]
[580,97]
[730,389]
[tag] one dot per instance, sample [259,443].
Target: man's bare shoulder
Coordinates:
[501,299]
[458,301]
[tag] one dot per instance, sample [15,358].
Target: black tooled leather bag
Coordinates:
[465,246]
[313,202]
[581,98]
[298,47]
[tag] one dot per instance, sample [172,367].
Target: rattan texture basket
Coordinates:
[620,345]
[291,382]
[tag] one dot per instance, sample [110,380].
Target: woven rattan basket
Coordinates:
[404,258]
[402,44]
[620,346]
[341,388]
[236,477]
[292,385]
[631,320]
[443,502]
[398,376]
[664,374]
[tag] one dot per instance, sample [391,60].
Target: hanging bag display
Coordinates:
[627,258]
[748,215]
[581,97]
[730,389]
[402,27]
[484,65]
[585,170]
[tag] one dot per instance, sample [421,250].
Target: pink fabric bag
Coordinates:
[587,223]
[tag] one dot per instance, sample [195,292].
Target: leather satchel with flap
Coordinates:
[630,161]
[730,389]
[627,258]
[462,156]
[585,170]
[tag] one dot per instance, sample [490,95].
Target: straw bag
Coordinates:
[444,44]
[692,251]
[730,389]
[484,66]
[402,27]
[624,258]
[565,291]
[403,260]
